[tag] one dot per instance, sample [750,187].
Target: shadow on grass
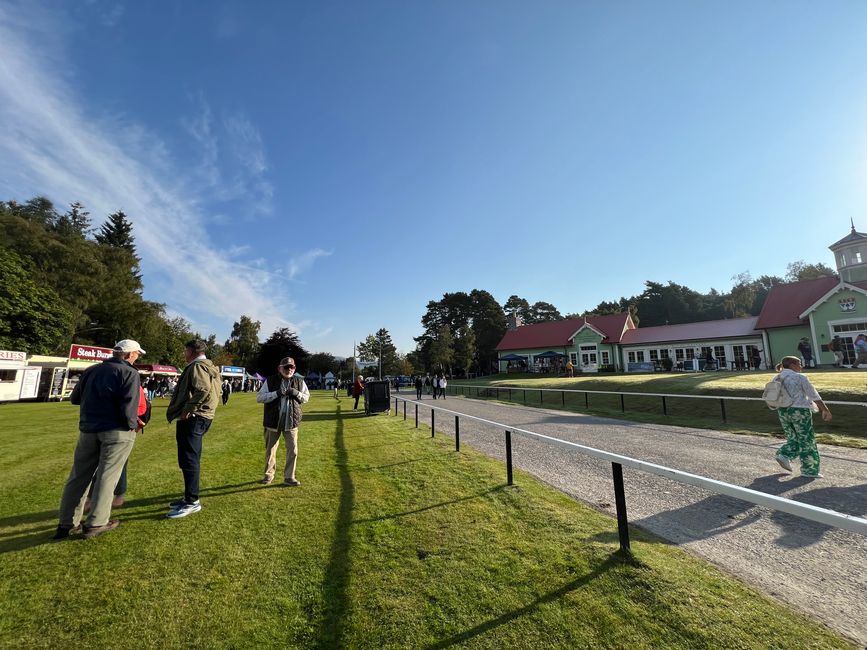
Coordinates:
[612,561]
[47,519]
[335,586]
[431,507]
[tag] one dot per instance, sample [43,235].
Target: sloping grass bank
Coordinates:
[848,428]
[393,540]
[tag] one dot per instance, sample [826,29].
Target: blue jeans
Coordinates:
[189,434]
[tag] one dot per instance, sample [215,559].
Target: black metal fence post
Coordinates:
[432,418]
[664,409]
[395,407]
[620,503]
[457,433]
[525,396]
[541,397]
[622,403]
[563,397]
[587,401]
[508,457]
[404,410]
[510,394]
[416,416]
[722,407]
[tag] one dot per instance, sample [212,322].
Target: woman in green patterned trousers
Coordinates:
[797,419]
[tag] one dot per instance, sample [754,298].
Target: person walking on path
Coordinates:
[836,347]
[227,391]
[435,385]
[193,405]
[357,390]
[427,384]
[570,368]
[443,383]
[108,394]
[419,387]
[283,394]
[806,352]
[797,419]
[860,350]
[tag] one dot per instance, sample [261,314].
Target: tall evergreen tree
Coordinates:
[74,222]
[117,232]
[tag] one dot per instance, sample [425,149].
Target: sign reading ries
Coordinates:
[88,353]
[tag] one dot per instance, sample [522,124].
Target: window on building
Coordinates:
[719,351]
[679,354]
[857,259]
[636,356]
[7,376]
[850,327]
[573,357]
[606,358]
[663,353]
[654,355]
[690,353]
[705,351]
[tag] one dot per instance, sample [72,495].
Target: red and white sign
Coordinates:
[88,353]
[8,355]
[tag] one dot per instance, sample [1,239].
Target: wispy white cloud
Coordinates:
[302,263]
[232,161]
[112,15]
[50,144]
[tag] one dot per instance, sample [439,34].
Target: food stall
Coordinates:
[82,357]
[157,370]
[17,380]
[53,375]
[232,373]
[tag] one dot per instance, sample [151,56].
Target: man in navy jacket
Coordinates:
[108,394]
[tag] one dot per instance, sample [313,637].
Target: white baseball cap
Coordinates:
[128,345]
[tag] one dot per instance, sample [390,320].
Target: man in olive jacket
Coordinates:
[193,405]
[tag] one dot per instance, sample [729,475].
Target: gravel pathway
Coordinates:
[815,568]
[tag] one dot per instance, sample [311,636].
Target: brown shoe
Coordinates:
[118,501]
[291,482]
[266,481]
[63,532]
[90,533]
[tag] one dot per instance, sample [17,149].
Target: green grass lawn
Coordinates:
[848,428]
[393,540]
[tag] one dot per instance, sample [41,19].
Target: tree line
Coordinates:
[461,330]
[62,281]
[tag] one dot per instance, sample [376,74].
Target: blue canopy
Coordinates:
[513,357]
[313,375]
[550,354]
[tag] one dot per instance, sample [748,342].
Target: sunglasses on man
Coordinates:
[288,366]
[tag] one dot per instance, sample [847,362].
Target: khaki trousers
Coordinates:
[99,457]
[272,441]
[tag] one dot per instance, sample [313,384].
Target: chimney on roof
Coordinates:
[514,321]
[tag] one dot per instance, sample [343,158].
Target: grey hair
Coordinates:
[120,354]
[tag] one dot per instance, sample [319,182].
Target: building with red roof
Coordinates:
[810,318]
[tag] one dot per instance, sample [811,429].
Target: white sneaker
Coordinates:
[184,510]
[784,462]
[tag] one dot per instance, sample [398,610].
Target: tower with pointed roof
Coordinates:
[850,253]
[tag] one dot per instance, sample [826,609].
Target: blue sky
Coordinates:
[334,166]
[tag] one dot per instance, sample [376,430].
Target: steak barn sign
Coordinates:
[88,353]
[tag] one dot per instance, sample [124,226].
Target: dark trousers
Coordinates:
[356,401]
[418,392]
[189,434]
